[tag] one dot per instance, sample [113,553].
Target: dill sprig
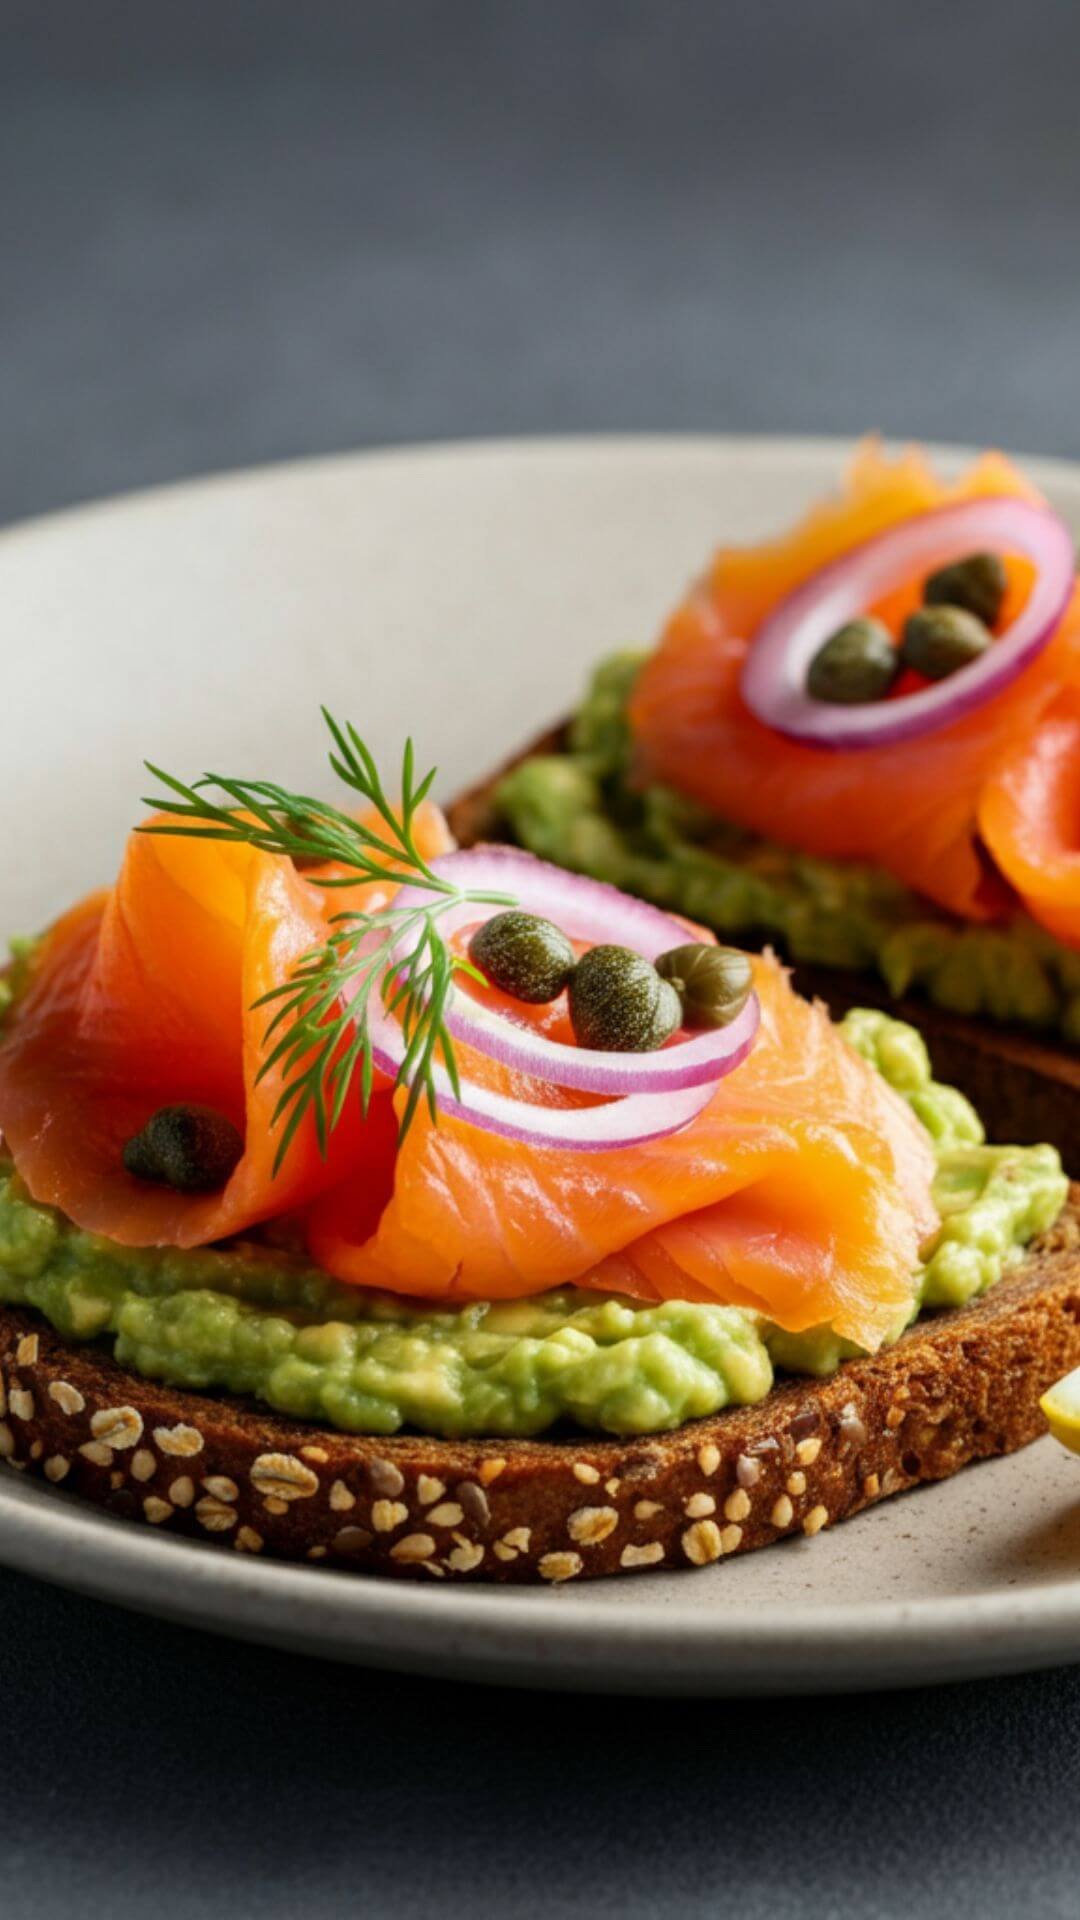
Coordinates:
[320,1025]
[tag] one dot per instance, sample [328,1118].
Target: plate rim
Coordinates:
[529,1635]
[791,447]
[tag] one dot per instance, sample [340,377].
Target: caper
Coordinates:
[523,955]
[619,1004]
[713,983]
[191,1148]
[977,583]
[859,662]
[939,640]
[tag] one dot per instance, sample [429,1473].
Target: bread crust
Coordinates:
[960,1386]
[1025,1088]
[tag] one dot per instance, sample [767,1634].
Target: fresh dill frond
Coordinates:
[318,1035]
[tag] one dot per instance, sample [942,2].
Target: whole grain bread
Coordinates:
[960,1386]
[1026,1088]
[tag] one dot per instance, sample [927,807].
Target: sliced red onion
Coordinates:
[629,1122]
[774,675]
[589,911]
[658,1093]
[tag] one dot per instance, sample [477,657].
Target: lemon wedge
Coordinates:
[1062,1409]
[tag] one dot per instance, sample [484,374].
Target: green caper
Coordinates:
[713,983]
[619,1004]
[977,583]
[191,1148]
[857,663]
[939,640]
[523,955]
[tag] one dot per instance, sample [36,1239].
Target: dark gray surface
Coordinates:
[149,1771]
[237,232]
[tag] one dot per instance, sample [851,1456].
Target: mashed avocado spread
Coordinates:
[579,810]
[248,1317]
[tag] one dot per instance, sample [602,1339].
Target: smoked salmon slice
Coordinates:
[144,997]
[802,1189]
[912,808]
[1029,817]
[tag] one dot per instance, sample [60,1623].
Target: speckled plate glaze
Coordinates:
[460,592]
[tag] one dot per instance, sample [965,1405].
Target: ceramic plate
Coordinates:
[460,593]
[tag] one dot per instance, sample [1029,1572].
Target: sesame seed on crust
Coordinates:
[465,1557]
[182,1441]
[283,1476]
[649,1555]
[701,1543]
[222,1487]
[413,1546]
[698,1506]
[119,1427]
[217,1516]
[783,1512]
[68,1398]
[447,1514]
[588,1526]
[557,1567]
[388,1514]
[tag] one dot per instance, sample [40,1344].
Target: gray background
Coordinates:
[232,233]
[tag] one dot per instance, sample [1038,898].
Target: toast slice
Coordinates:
[959,1386]
[1025,1088]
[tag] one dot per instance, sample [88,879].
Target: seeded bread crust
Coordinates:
[1027,1089]
[959,1387]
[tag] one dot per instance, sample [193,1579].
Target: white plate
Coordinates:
[460,592]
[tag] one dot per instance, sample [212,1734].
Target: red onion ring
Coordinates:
[591,911]
[628,1122]
[774,674]
[658,1093]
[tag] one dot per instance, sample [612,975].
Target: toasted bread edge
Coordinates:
[960,1386]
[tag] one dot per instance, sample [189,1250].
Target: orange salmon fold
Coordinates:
[803,1189]
[144,997]
[919,809]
